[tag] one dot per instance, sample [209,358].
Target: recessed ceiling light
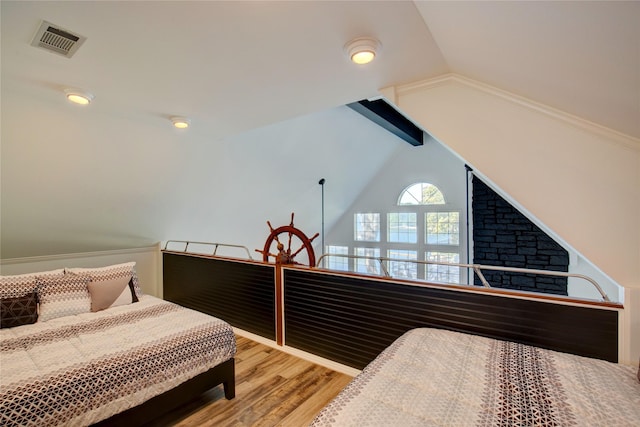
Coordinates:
[180,122]
[362,50]
[78,97]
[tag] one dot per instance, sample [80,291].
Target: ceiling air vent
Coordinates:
[58,40]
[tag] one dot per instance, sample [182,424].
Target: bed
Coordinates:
[434,377]
[75,365]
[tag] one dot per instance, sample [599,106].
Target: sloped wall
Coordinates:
[115,184]
[579,179]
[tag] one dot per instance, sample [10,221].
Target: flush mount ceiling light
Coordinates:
[180,122]
[362,50]
[78,97]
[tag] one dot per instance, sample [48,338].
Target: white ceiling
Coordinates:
[229,66]
[580,57]
[234,68]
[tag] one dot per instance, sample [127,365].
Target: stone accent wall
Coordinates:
[503,236]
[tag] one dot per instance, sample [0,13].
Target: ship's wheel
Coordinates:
[284,254]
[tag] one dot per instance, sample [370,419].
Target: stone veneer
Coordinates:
[505,237]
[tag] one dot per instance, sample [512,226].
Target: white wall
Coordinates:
[579,179]
[581,288]
[576,287]
[148,264]
[98,188]
[438,165]
[432,163]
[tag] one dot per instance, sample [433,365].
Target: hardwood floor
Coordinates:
[272,389]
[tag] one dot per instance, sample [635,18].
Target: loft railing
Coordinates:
[215,247]
[476,268]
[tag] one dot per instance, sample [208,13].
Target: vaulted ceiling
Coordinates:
[263,84]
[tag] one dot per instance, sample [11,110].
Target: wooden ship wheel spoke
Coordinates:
[287,256]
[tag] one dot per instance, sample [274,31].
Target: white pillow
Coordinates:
[23,284]
[64,295]
[111,272]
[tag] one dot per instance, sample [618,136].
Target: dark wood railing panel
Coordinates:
[241,293]
[351,319]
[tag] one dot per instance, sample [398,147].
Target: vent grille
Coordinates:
[55,39]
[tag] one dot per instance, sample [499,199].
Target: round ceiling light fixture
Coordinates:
[180,122]
[78,96]
[362,50]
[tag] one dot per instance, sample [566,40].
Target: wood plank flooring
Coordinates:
[272,389]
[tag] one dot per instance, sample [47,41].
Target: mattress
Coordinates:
[432,377]
[78,370]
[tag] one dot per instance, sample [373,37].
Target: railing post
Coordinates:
[279,305]
[476,269]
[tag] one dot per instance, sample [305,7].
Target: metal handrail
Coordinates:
[215,249]
[475,267]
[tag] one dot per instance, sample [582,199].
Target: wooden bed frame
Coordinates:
[223,373]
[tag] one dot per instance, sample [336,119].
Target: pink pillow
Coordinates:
[126,269]
[111,292]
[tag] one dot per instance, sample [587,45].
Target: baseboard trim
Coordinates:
[329,364]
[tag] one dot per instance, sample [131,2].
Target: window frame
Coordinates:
[368,262]
[341,261]
[380,233]
[413,235]
[356,229]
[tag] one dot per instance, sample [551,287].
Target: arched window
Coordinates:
[422,226]
[429,231]
[421,193]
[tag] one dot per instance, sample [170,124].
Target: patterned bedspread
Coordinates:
[431,377]
[78,370]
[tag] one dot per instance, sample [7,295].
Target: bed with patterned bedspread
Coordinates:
[432,377]
[82,368]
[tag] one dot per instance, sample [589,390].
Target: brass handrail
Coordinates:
[475,267]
